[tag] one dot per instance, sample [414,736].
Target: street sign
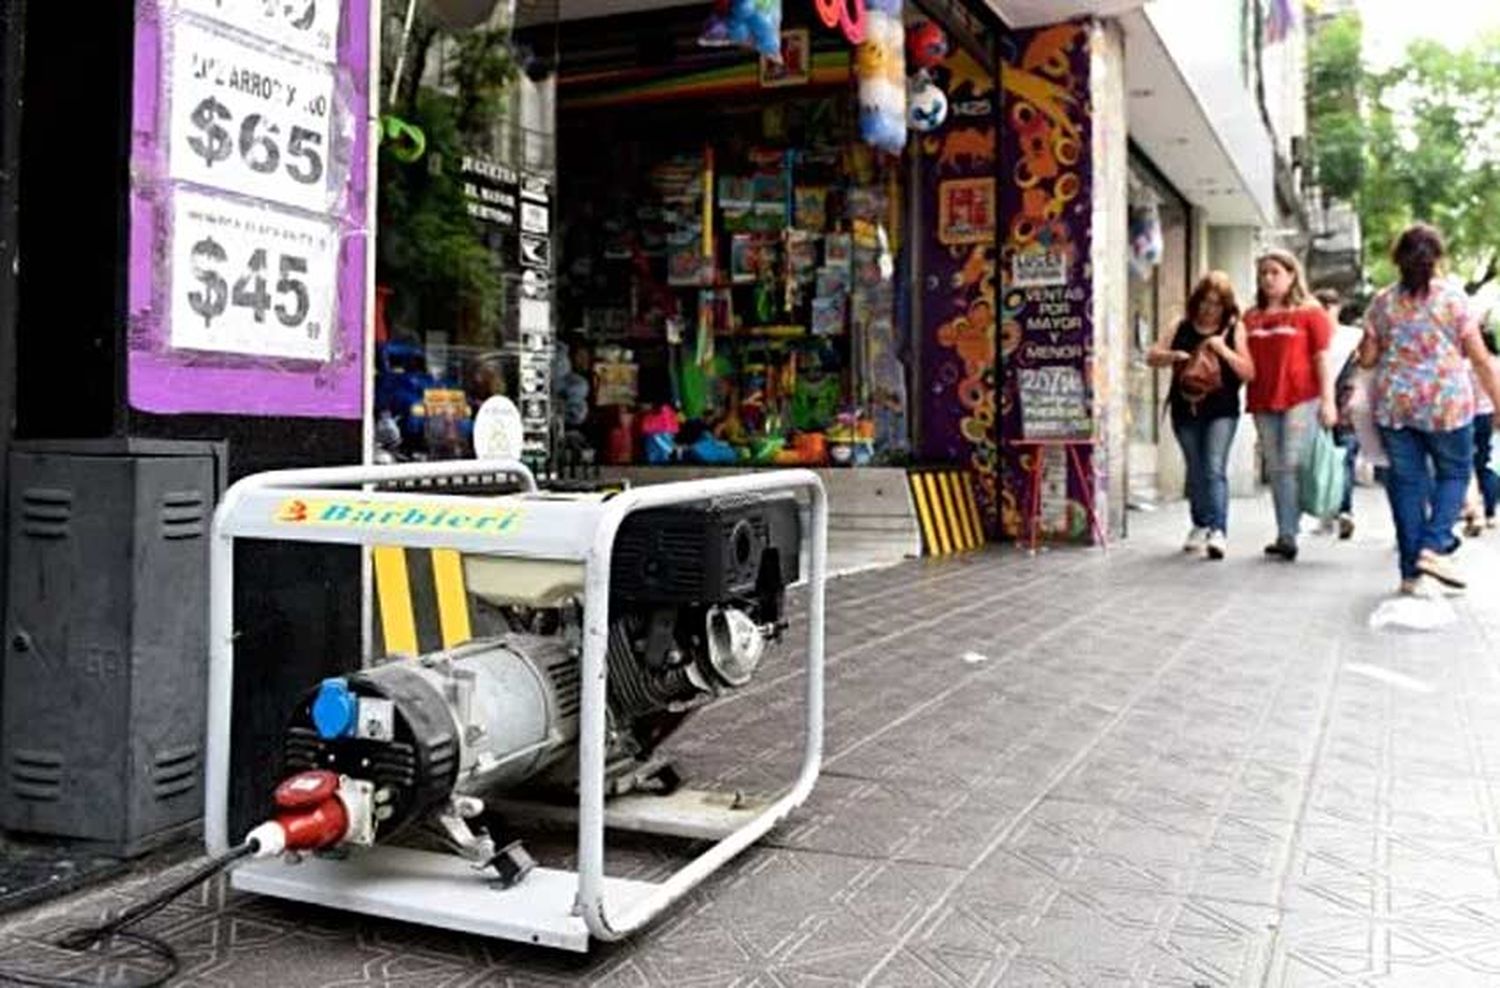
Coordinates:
[536,251]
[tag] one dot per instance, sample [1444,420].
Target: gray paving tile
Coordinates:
[1338,949]
[1166,773]
[1086,936]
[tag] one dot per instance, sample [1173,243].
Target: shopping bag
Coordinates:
[1321,480]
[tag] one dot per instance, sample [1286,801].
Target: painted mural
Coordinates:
[1046,316]
[959,215]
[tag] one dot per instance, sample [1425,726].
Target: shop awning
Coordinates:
[1190,111]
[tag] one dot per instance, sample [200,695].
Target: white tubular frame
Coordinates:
[591,898]
[592,904]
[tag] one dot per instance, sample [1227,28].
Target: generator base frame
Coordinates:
[552,907]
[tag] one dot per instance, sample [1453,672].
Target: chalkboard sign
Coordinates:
[1054,403]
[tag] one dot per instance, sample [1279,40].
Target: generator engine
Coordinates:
[696,599]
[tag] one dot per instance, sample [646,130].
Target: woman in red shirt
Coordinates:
[1292,394]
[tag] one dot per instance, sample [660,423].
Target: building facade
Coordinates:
[654,248]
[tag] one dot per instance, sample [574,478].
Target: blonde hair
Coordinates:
[1296,295]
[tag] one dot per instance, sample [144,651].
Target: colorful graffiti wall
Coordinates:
[1046,270]
[958,236]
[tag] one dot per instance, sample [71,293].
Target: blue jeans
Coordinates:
[1348,441]
[1428,475]
[1205,448]
[1284,441]
[1489,484]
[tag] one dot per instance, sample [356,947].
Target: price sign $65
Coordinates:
[215,295]
[257,142]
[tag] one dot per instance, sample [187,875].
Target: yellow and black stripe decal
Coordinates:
[947,511]
[421,600]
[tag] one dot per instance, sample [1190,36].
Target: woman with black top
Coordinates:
[1210,360]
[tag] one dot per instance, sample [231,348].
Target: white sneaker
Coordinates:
[1196,540]
[1441,570]
[1216,544]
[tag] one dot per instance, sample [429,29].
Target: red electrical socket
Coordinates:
[313,816]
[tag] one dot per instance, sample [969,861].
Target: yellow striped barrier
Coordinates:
[422,600]
[947,511]
[414,587]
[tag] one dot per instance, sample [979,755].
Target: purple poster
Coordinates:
[248,228]
[1046,331]
[958,238]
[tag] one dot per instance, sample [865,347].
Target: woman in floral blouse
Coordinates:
[1422,341]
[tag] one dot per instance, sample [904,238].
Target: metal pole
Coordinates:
[411,13]
[372,200]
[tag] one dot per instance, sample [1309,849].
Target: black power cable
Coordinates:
[115,932]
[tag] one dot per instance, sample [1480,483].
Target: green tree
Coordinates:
[1442,152]
[433,255]
[1419,141]
[1335,79]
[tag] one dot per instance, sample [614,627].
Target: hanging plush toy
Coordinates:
[752,24]
[926,104]
[880,64]
[926,45]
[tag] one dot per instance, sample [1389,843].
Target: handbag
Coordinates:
[1200,375]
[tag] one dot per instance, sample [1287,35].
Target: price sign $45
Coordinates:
[251,289]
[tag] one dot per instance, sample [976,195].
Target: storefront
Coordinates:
[463,299]
[719,265]
[730,266]
[735,270]
[1160,234]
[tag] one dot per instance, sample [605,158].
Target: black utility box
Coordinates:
[106,639]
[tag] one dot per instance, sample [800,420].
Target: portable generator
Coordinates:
[616,618]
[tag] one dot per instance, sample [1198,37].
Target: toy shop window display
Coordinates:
[718,315]
[427,397]
[731,267]
[725,309]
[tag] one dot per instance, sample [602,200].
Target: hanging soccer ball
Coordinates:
[926,45]
[926,104]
